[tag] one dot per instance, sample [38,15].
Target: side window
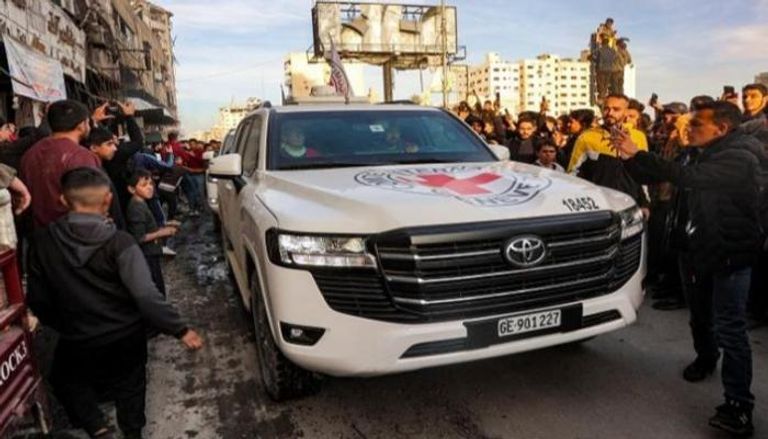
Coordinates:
[241,137]
[252,145]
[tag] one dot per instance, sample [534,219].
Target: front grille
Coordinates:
[431,274]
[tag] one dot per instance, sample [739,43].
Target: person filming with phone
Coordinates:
[723,236]
[595,159]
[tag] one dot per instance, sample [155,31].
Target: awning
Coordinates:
[153,137]
[151,113]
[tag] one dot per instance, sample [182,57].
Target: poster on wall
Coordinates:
[35,75]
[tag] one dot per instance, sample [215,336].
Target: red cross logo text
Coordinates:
[460,186]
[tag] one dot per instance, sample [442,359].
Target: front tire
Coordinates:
[282,379]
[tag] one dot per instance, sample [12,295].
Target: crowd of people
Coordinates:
[91,244]
[699,173]
[101,202]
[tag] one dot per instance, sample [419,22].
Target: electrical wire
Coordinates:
[230,72]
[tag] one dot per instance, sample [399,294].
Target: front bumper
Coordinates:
[354,346]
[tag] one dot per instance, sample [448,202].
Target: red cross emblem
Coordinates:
[460,186]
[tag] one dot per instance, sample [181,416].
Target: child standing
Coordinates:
[90,283]
[142,224]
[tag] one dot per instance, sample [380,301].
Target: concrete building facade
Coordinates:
[159,21]
[229,117]
[302,72]
[521,85]
[495,76]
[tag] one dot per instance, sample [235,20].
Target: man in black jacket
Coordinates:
[91,283]
[723,234]
[118,165]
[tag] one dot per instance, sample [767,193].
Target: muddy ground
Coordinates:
[623,385]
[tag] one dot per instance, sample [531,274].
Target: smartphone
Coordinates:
[729,90]
[616,131]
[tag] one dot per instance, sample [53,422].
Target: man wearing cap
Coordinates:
[671,138]
[47,160]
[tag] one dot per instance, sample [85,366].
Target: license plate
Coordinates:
[529,322]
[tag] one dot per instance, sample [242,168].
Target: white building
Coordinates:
[302,72]
[522,85]
[230,116]
[495,76]
[630,81]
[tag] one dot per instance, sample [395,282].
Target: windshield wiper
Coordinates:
[324,166]
[423,161]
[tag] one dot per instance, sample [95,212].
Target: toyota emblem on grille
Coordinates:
[525,251]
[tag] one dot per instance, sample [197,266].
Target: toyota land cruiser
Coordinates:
[373,239]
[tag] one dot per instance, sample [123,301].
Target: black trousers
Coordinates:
[156,269]
[697,288]
[82,376]
[758,295]
[169,198]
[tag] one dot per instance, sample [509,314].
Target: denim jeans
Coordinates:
[731,291]
[718,304]
[191,185]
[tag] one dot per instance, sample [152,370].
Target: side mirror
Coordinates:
[501,152]
[209,155]
[226,166]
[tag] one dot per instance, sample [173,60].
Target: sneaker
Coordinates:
[168,252]
[733,417]
[699,370]
[104,433]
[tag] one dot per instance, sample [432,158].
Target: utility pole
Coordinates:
[444,35]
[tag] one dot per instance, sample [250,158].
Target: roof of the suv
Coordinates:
[351,107]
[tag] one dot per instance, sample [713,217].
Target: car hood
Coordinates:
[375,199]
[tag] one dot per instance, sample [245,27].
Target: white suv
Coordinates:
[372,239]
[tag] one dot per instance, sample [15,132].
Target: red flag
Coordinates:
[339,79]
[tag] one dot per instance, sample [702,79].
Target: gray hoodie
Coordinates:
[91,283]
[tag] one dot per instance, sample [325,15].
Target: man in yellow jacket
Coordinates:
[596,160]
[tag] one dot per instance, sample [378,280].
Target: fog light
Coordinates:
[303,335]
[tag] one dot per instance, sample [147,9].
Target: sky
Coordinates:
[229,50]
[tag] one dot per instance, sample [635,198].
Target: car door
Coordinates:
[228,203]
[249,151]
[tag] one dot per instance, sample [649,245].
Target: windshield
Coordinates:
[327,139]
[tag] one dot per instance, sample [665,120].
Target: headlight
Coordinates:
[632,222]
[320,251]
